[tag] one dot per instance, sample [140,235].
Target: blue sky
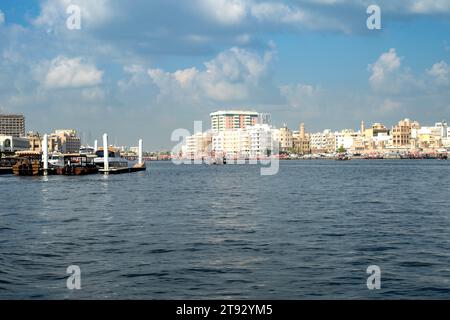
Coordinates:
[144,68]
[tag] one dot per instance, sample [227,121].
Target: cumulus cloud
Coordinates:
[230,76]
[386,65]
[205,26]
[440,71]
[226,12]
[54,12]
[63,72]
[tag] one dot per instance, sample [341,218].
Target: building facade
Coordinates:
[64,141]
[323,142]
[234,119]
[12,125]
[402,133]
[13,144]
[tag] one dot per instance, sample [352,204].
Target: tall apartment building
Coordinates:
[12,125]
[234,119]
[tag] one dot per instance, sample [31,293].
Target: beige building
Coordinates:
[64,141]
[198,145]
[322,142]
[284,136]
[402,133]
[231,143]
[301,141]
[35,141]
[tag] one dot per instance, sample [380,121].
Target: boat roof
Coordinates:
[28,153]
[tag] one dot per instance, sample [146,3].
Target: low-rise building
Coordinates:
[13,144]
[323,142]
[402,133]
[64,141]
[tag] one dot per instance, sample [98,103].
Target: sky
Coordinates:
[143,68]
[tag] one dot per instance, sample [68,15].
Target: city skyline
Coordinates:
[137,75]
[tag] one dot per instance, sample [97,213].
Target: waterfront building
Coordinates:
[345,138]
[443,128]
[231,143]
[402,133]
[35,140]
[428,137]
[261,141]
[323,142]
[301,141]
[64,141]
[235,119]
[284,136]
[198,145]
[377,129]
[12,125]
[13,144]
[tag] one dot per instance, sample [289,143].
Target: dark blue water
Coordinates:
[197,231]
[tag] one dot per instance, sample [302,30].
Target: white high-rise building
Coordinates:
[261,141]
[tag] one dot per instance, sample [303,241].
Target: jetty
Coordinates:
[104,161]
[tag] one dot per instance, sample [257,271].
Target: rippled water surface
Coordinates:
[198,231]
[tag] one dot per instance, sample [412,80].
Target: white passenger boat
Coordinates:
[115,160]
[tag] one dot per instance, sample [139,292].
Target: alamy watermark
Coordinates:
[73,21]
[374,20]
[74,280]
[211,148]
[374,280]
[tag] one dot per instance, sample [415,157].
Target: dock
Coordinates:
[135,168]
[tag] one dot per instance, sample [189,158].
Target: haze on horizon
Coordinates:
[140,69]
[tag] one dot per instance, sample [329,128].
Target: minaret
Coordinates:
[363,128]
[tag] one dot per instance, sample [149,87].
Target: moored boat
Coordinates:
[342,157]
[77,164]
[28,164]
[114,159]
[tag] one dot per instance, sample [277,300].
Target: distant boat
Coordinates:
[342,157]
[115,160]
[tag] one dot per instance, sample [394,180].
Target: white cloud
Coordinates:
[390,105]
[440,71]
[2,18]
[63,72]
[231,76]
[429,6]
[227,12]
[300,95]
[386,64]
[53,12]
